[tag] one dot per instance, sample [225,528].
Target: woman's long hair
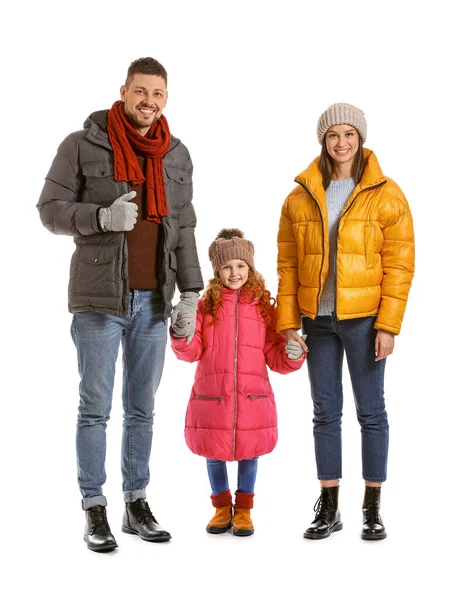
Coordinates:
[326,164]
[253,288]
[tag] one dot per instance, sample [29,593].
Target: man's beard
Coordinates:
[137,120]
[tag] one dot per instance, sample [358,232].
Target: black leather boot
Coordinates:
[373,528]
[98,536]
[138,520]
[327,517]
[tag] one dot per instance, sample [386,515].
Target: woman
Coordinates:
[345,265]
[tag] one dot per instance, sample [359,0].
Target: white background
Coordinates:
[247,83]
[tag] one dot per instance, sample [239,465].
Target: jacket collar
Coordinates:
[312,180]
[243,294]
[96,124]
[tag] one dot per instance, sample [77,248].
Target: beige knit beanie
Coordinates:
[339,114]
[228,245]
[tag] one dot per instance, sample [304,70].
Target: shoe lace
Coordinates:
[98,519]
[372,507]
[145,514]
[322,506]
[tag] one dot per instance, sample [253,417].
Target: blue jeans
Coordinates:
[328,339]
[97,336]
[247,472]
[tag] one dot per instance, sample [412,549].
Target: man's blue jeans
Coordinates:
[97,336]
[247,472]
[327,340]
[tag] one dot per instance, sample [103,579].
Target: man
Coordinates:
[122,187]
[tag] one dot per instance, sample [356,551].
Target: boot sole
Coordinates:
[373,538]
[157,540]
[217,530]
[322,536]
[243,532]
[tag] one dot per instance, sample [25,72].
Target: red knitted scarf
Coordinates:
[125,140]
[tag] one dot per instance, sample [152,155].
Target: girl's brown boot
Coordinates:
[222,520]
[242,523]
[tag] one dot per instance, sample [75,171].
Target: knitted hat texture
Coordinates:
[339,114]
[228,245]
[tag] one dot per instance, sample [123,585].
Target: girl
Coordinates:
[231,414]
[345,262]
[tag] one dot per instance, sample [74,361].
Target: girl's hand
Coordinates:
[294,350]
[384,344]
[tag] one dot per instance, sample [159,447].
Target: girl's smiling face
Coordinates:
[234,273]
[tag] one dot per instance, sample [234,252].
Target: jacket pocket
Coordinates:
[252,396]
[369,245]
[97,169]
[100,184]
[96,270]
[178,183]
[180,176]
[200,397]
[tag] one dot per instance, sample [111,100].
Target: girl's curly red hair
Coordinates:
[254,288]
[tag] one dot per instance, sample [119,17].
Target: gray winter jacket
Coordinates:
[80,180]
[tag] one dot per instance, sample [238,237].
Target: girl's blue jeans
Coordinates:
[218,478]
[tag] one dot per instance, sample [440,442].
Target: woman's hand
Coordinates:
[294,350]
[384,344]
[293,336]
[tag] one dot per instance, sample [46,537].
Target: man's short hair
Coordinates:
[148,66]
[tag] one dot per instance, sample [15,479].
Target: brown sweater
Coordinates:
[142,245]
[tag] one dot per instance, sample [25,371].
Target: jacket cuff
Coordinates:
[98,220]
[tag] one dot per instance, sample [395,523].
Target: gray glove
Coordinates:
[184,325]
[294,350]
[121,215]
[185,313]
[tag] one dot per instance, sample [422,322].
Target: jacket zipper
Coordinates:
[125,282]
[199,397]
[322,228]
[334,312]
[234,375]
[257,396]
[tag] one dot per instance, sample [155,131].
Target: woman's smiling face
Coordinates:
[342,143]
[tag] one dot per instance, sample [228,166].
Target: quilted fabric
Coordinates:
[231,414]
[375,250]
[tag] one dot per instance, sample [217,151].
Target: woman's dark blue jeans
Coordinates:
[327,340]
[247,472]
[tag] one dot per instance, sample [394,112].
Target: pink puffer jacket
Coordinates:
[231,414]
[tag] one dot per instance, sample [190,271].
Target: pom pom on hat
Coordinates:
[230,244]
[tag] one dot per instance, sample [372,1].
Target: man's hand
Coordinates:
[184,326]
[293,336]
[384,344]
[186,310]
[121,215]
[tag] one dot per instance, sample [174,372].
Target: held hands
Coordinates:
[184,326]
[183,317]
[121,215]
[292,336]
[294,350]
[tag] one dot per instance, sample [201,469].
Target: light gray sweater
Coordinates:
[337,194]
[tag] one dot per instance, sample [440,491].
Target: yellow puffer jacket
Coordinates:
[375,250]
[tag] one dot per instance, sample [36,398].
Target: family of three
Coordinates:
[122,187]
